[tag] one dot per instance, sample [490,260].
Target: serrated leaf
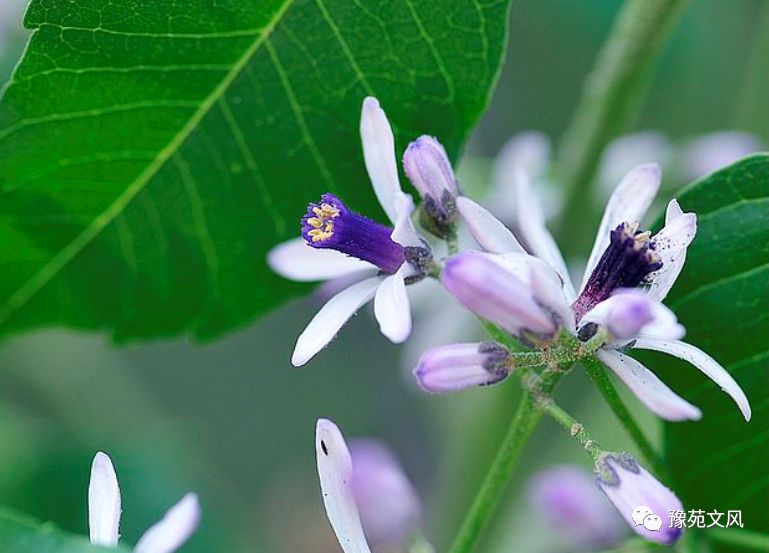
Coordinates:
[153,152]
[720,462]
[22,534]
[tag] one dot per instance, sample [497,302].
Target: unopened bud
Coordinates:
[457,366]
[429,170]
[492,291]
[642,500]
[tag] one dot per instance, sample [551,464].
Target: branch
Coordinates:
[612,95]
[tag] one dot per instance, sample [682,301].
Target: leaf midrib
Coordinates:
[60,260]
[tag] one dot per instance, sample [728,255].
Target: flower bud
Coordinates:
[492,291]
[457,366]
[643,501]
[566,497]
[629,315]
[429,170]
[390,509]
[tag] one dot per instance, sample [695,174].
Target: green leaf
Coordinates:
[21,534]
[720,462]
[154,152]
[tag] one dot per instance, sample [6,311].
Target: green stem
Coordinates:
[525,420]
[611,96]
[574,428]
[748,540]
[419,543]
[597,373]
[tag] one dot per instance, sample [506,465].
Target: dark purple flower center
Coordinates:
[627,261]
[330,224]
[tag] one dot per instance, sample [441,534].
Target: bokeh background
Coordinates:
[234,421]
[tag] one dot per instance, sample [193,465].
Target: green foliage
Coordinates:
[20,534]
[719,463]
[152,154]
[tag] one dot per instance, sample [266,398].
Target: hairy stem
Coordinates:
[611,96]
[574,428]
[494,484]
[597,373]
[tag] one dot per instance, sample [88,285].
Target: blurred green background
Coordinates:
[234,421]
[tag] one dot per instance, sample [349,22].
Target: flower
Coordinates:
[629,273]
[377,261]
[166,536]
[567,498]
[365,488]
[632,490]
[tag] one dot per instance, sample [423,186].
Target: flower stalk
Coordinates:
[521,427]
[597,373]
[611,96]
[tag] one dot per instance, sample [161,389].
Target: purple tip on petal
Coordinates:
[493,292]
[330,224]
[455,367]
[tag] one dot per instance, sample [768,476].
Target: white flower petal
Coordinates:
[404,232]
[296,260]
[335,473]
[391,307]
[673,211]
[103,502]
[625,152]
[665,325]
[530,222]
[670,244]
[490,233]
[379,155]
[331,317]
[529,151]
[174,529]
[652,392]
[627,204]
[705,363]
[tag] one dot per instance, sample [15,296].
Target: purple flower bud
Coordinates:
[493,292]
[390,509]
[643,501]
[567,498]
[429,170]
[630,313]
[457,366]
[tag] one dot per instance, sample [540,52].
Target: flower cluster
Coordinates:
[517,282]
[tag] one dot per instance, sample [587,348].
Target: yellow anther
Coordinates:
[322,224]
